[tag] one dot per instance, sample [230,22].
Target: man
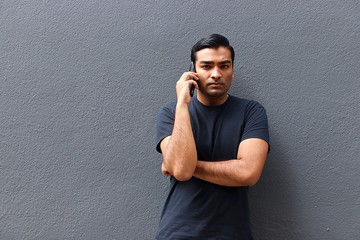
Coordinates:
[214,146]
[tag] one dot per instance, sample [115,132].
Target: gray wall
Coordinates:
[81,83]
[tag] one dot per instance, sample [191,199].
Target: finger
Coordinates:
[189,75]
[165,173]
[194,83]
[192,75]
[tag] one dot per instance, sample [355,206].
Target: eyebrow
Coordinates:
[211,62]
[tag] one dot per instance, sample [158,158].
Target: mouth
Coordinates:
[215,84]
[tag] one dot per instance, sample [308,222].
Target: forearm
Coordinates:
[180,156]
[245,170]
[231,173]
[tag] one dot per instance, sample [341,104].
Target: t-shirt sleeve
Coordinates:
[256,123]
[164,124]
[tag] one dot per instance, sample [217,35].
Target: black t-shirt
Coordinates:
[197,209]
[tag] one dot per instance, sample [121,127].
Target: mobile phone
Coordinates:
[192,87]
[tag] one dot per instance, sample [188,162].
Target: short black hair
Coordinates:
[213,41]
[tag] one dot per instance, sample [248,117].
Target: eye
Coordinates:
[206,67]
[225,66]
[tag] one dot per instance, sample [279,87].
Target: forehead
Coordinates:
[214,54]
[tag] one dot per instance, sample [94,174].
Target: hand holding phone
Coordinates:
[192,87]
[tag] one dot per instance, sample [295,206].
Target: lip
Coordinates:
[215,84]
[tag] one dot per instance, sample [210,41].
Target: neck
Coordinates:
[212,101]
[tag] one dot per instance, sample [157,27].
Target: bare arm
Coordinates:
[243,171]
[179,150]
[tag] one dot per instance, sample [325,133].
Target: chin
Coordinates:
[216,94]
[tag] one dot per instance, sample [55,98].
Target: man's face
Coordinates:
[215,70]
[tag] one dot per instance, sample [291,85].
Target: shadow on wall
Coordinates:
[273,200]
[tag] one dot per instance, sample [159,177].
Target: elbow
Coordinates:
[252,179]
[183,176]
[181,170]
[252,182]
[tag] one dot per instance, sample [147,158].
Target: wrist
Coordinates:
[182,105]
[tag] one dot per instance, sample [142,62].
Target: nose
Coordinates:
[216,74]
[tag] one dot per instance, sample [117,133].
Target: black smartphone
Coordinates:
[192,87]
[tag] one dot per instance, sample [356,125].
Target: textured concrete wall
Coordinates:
[82,81]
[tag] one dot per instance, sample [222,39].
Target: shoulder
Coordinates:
[170,105]
[168,108]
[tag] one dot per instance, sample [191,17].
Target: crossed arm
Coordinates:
[180,157]
[243,171]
